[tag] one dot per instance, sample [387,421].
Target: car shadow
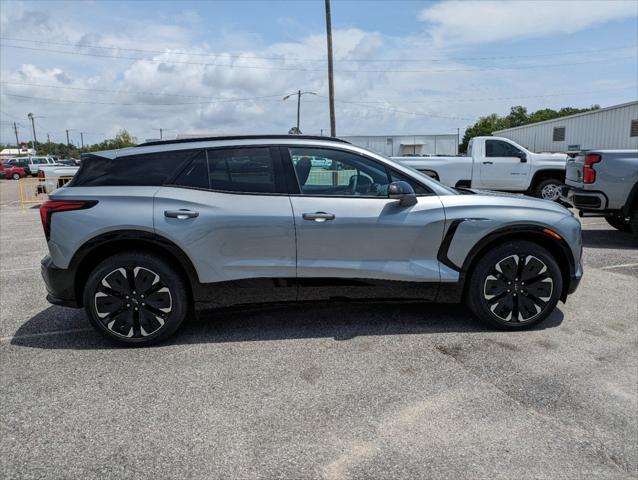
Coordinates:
[341,321]
[610,238]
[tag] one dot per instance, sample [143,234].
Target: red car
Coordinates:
[9,171]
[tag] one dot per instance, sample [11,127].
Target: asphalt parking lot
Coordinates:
[343,390]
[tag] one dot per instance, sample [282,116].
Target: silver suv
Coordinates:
[144,235]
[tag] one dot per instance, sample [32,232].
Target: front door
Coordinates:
[502,168]
[351,235]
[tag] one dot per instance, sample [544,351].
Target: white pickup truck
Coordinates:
[53,177]
[497,163]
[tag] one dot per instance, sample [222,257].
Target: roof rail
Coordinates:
[242,137]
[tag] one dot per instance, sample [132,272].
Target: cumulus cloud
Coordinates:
[460,22]
[235,83]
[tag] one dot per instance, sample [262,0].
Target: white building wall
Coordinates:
[606,128]
[395,145]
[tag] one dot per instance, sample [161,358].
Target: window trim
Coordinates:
[290,166]
[502,141]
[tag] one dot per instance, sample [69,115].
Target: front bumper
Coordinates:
[60,284]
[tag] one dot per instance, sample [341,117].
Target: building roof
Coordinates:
[582,114]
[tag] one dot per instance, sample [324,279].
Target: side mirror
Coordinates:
[403,192]
[523,157]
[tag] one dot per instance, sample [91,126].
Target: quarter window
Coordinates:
[499,148]
[322,171]
[245,170]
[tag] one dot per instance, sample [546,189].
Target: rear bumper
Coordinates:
[585,200]
[60,284]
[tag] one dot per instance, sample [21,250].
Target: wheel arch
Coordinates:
[101,247]
[557,248]
[546,174]
[632,201]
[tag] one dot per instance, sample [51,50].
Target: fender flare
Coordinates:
[106,243]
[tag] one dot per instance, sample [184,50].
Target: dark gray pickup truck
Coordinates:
[605,183]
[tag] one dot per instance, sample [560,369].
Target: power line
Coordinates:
[283,58]
[226,99]
[131,92]
[60,100]
[297,69]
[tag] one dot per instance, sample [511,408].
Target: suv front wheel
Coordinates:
[515,285]
[135,298]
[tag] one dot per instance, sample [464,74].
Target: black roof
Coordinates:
[243,137]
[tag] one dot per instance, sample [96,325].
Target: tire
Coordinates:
[16,176]
[633,223]
[116,285]
[548,189]
[519,304]
[619,223]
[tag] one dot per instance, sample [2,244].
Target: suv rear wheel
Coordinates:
[135,298]
[515,285]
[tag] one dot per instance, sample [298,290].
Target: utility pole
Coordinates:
[331,86]
[298,109]
[35,140]
[161,132]
[82,138]
[299,94]
[458,140]
[67,136]
[15,129]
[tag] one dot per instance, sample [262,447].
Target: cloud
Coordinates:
[460,22]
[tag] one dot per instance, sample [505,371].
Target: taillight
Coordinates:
[53,206]
[589,174]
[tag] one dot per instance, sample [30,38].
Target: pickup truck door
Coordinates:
[502,168]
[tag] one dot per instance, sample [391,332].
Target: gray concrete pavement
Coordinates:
[345,390]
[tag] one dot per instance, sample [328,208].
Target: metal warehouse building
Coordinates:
[612,127]
[398,145]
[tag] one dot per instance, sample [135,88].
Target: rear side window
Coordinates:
[149,169]
[242,170]
[195,175]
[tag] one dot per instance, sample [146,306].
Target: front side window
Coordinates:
[242,170]
[323,171]
[499,148]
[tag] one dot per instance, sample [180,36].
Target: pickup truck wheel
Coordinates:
[548,189]
[514,286]
[135,299]
[633,223]
[16,176]
[619,223]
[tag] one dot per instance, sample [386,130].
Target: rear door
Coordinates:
[501,167]
[351,235]
[229,212]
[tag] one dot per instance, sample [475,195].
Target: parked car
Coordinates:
[497,163]
[11,171]
[605,183]
[34,164]
[143,235]
[19,162]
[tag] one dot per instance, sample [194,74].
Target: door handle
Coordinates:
[488,163]
[180,214]
[318,216]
